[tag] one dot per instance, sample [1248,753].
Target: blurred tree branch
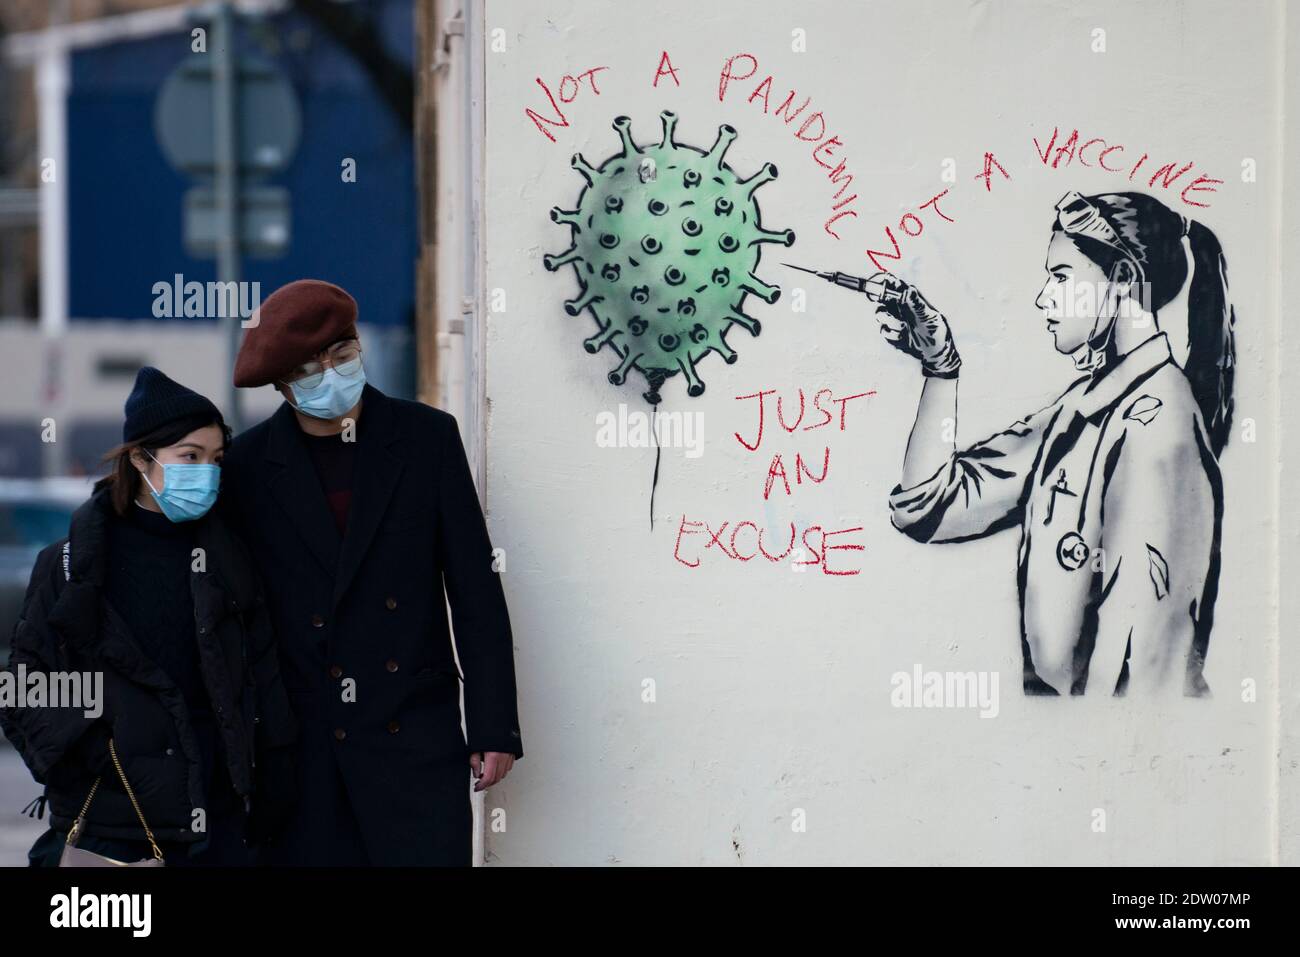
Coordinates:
[351,28]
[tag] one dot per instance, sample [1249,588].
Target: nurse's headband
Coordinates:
[1078,217]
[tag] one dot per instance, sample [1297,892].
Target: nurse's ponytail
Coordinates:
[1211,352]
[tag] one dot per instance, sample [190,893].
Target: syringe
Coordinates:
[873,288]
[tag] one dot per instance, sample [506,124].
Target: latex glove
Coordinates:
[915,327]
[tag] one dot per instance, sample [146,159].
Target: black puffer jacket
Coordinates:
[66,626]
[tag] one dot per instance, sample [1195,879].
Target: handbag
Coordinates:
[74,856]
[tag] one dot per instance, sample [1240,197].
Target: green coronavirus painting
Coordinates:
[666,246]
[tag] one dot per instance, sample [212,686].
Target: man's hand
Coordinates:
[490,767]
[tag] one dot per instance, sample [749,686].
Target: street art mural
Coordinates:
[1115,486]
[997,491]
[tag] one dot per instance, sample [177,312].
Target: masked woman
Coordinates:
[182,759]
[1115,486]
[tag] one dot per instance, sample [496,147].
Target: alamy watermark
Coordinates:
[133,912]
[945,689]
[1086,298]
[21,688]
[179,299]
[637,429]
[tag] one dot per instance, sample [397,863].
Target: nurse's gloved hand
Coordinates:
[912,325]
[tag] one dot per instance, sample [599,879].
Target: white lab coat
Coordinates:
[1119,502]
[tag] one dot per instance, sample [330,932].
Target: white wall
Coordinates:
[772,688]
[1288,518]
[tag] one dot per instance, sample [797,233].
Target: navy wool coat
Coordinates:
[361,619]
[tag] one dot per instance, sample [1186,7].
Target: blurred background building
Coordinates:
[92,213]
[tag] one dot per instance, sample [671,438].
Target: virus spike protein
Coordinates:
[666,241]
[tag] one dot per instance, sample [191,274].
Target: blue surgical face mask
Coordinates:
[334,395]
[188,491]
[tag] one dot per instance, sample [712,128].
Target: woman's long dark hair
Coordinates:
[1154,232]
[123,479]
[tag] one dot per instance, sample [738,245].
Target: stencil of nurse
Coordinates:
[1115,486]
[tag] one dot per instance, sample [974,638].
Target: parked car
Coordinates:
[33,513]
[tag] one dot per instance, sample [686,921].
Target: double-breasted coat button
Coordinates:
[317,621]
[339,734]
[336,671]
[390,603]
[392,665]
[394,727]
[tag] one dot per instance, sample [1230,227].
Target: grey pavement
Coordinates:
[17,830]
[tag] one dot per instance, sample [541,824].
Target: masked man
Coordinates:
[360,510]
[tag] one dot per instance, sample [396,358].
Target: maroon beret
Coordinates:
[293,324]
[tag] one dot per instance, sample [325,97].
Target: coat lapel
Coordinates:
[296,487]
[378,467]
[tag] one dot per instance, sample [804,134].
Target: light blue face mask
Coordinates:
[334,395]
[188,491]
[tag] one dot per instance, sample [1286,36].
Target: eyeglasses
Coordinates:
[343,357]
[1078,217]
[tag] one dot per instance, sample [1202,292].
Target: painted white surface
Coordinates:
[773,687]
[1288,463]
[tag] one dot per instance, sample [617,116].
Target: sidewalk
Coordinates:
[17,830]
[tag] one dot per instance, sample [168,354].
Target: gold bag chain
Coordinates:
[81,817]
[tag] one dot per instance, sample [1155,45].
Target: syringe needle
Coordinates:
[802,268]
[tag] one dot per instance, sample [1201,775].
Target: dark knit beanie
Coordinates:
[157,401]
